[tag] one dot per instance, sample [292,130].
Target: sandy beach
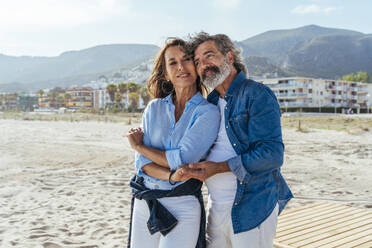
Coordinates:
[65,184]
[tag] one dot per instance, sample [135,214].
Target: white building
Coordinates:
[311,92]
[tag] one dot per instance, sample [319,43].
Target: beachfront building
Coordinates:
[101,98]
[27,102]
[8,101]
[80,97]
[311,93]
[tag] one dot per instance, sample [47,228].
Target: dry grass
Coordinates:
[126,118]
[352,125]
[349,124]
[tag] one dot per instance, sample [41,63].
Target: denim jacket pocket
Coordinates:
[239,124]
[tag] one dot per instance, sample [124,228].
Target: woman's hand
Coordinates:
[135,138]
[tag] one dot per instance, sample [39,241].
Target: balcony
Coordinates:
[294,104]
[291,85]
[291,95]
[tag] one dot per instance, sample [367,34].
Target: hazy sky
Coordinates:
[50,27]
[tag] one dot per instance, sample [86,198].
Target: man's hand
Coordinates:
[181,173]
[205,169]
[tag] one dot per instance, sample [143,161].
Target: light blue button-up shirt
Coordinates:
[186,141]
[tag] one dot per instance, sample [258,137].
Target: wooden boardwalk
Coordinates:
[324,224]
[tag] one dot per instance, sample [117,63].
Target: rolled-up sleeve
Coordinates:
[265,152]
[141,160]
[197,139]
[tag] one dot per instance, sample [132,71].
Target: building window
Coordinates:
[310,90]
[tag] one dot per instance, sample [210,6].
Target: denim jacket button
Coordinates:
[227,126]
[234,144]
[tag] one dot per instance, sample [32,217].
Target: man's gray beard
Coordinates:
[215,79]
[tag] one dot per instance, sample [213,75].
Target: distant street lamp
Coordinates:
[320,107]
[286,105]
[335,107]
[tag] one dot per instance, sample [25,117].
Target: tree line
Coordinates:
[132,91]
[357,77]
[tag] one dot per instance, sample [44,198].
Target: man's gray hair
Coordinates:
[224,45]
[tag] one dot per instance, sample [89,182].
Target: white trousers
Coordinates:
[220,231]
[185,234]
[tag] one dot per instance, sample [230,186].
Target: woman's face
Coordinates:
[180,68]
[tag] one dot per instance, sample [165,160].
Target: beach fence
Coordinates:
[326,225]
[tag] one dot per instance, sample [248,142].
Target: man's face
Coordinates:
[211,65]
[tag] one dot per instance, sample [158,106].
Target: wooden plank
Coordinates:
[295,212]
[345,240]
[319,218]
[280,245]
[316,209]
[327,238]
[329,232]
[367,240]
[357,213]
[347,218]
[324,225]
[292,210]
[365,245]
[308,215]
[312,219]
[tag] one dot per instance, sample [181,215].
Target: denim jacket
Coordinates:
[252,122]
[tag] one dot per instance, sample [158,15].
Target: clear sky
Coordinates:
[50,27]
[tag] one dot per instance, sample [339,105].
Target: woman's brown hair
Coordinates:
[157,85]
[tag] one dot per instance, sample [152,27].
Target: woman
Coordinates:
[179,126]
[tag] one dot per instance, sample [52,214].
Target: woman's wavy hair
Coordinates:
[224,45]
[157,85]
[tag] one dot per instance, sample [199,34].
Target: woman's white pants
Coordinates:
[185,234]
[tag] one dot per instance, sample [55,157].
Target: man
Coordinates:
[242,170]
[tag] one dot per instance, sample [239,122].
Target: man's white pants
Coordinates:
[185,234]
[220,232]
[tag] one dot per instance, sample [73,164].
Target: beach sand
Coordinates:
[65,184]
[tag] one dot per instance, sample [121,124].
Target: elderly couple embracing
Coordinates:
[231,140]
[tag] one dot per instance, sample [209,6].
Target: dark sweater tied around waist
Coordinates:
[161,220]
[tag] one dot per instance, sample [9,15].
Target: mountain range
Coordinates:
[310,51]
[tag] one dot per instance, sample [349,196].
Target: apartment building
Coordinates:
[317,93]
[80,97]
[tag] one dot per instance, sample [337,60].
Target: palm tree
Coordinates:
[118,99]
[112,89]
[133,101]
[67,98]
[133,87]
[123,88]
[145,95]
[53,96]
[61,100]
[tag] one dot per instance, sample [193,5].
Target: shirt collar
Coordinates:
[195,99]
[238,80]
